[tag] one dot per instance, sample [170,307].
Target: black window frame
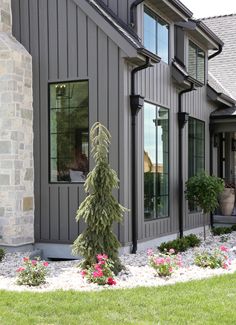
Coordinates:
[157,18]
[64,81]
[192,207]
[197,49]
[158,217]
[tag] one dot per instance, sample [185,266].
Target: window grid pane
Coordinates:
[156,161]
[196,62]
[68,131]
[156,35]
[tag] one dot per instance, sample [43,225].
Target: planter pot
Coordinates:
[226,200]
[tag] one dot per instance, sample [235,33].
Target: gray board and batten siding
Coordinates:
[67,45]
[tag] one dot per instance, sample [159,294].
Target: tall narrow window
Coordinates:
[196,62]
[196,149]
[156,162]
[156,35]
[69,125]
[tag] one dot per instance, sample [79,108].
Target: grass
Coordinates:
[209,301]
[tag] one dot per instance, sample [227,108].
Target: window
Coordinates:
[156,35]
[196,149]
[156,162]
[69,131]
[196,62]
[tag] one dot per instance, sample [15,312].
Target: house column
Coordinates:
[16,137]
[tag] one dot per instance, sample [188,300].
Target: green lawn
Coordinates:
[210,301]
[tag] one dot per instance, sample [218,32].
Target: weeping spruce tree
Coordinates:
[100,209]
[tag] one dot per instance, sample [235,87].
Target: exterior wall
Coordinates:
[16,138]
[121,8]
[70,46]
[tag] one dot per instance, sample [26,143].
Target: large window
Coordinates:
[196,62]
[68,131]
[156,35]
[156,162]
[196,150]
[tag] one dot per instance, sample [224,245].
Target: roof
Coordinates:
[224,113]
[223,67]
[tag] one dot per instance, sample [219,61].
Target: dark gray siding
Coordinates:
[120,7]
[67,45]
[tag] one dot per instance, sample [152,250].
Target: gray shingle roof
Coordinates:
[223,66]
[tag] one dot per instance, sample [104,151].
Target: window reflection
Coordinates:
[68,131]
[156,35]
[196,62]
[156,161]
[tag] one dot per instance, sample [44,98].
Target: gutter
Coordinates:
[136,103]
[182,120]
[216,53]
[132,12]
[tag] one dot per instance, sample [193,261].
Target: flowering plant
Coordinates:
[32,273]
[101,272]
[215,259]
[164,264]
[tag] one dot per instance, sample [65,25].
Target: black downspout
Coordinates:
[211,164]
[132,10]
[216,53]
[181,123]
[136,103]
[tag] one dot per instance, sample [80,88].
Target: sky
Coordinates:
[209,8]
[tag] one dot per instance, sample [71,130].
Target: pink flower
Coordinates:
[45,263]
[170,270]
[168,259]
[34,262]
[97,267]
[101,262]
[149,252]
[83,273]
[160,260]
[224,248]
[102,257]
[97,274]
[225,266]
[25,259]
[172,251]
[111,281]
[179,263]
[20,269]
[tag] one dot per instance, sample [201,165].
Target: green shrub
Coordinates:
[32,273]
[221,231]
[215,259]
[180,244]
[233,228]
[2,254]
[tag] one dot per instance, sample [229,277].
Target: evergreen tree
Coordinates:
[100,209]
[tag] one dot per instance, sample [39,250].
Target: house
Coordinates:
[140,68]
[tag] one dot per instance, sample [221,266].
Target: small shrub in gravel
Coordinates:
[233,228]
[180,244]
[215,259]
[221,231]
[32,273]
[101,272]
[2,254]
[164,264]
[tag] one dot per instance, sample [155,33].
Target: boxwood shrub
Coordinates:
[223,230]
[180,244]
[2,254]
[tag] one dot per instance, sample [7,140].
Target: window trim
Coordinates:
[197,47]
[204,123]
[156,16]
[166,217]
[53,82]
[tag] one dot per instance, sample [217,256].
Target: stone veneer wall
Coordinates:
[16,137]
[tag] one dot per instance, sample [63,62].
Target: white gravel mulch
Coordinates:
[66,275]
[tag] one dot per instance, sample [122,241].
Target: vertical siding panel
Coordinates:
[82,196]
[92,72]
[82,43]
[24,23]
[102,77]
[62,39]
[54,226]
[64,213]
[34,46]
[73,206]
[43,53]
[122,9]
[16,19]
[52,39]
[72,40]
[113,5]
[113,109]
